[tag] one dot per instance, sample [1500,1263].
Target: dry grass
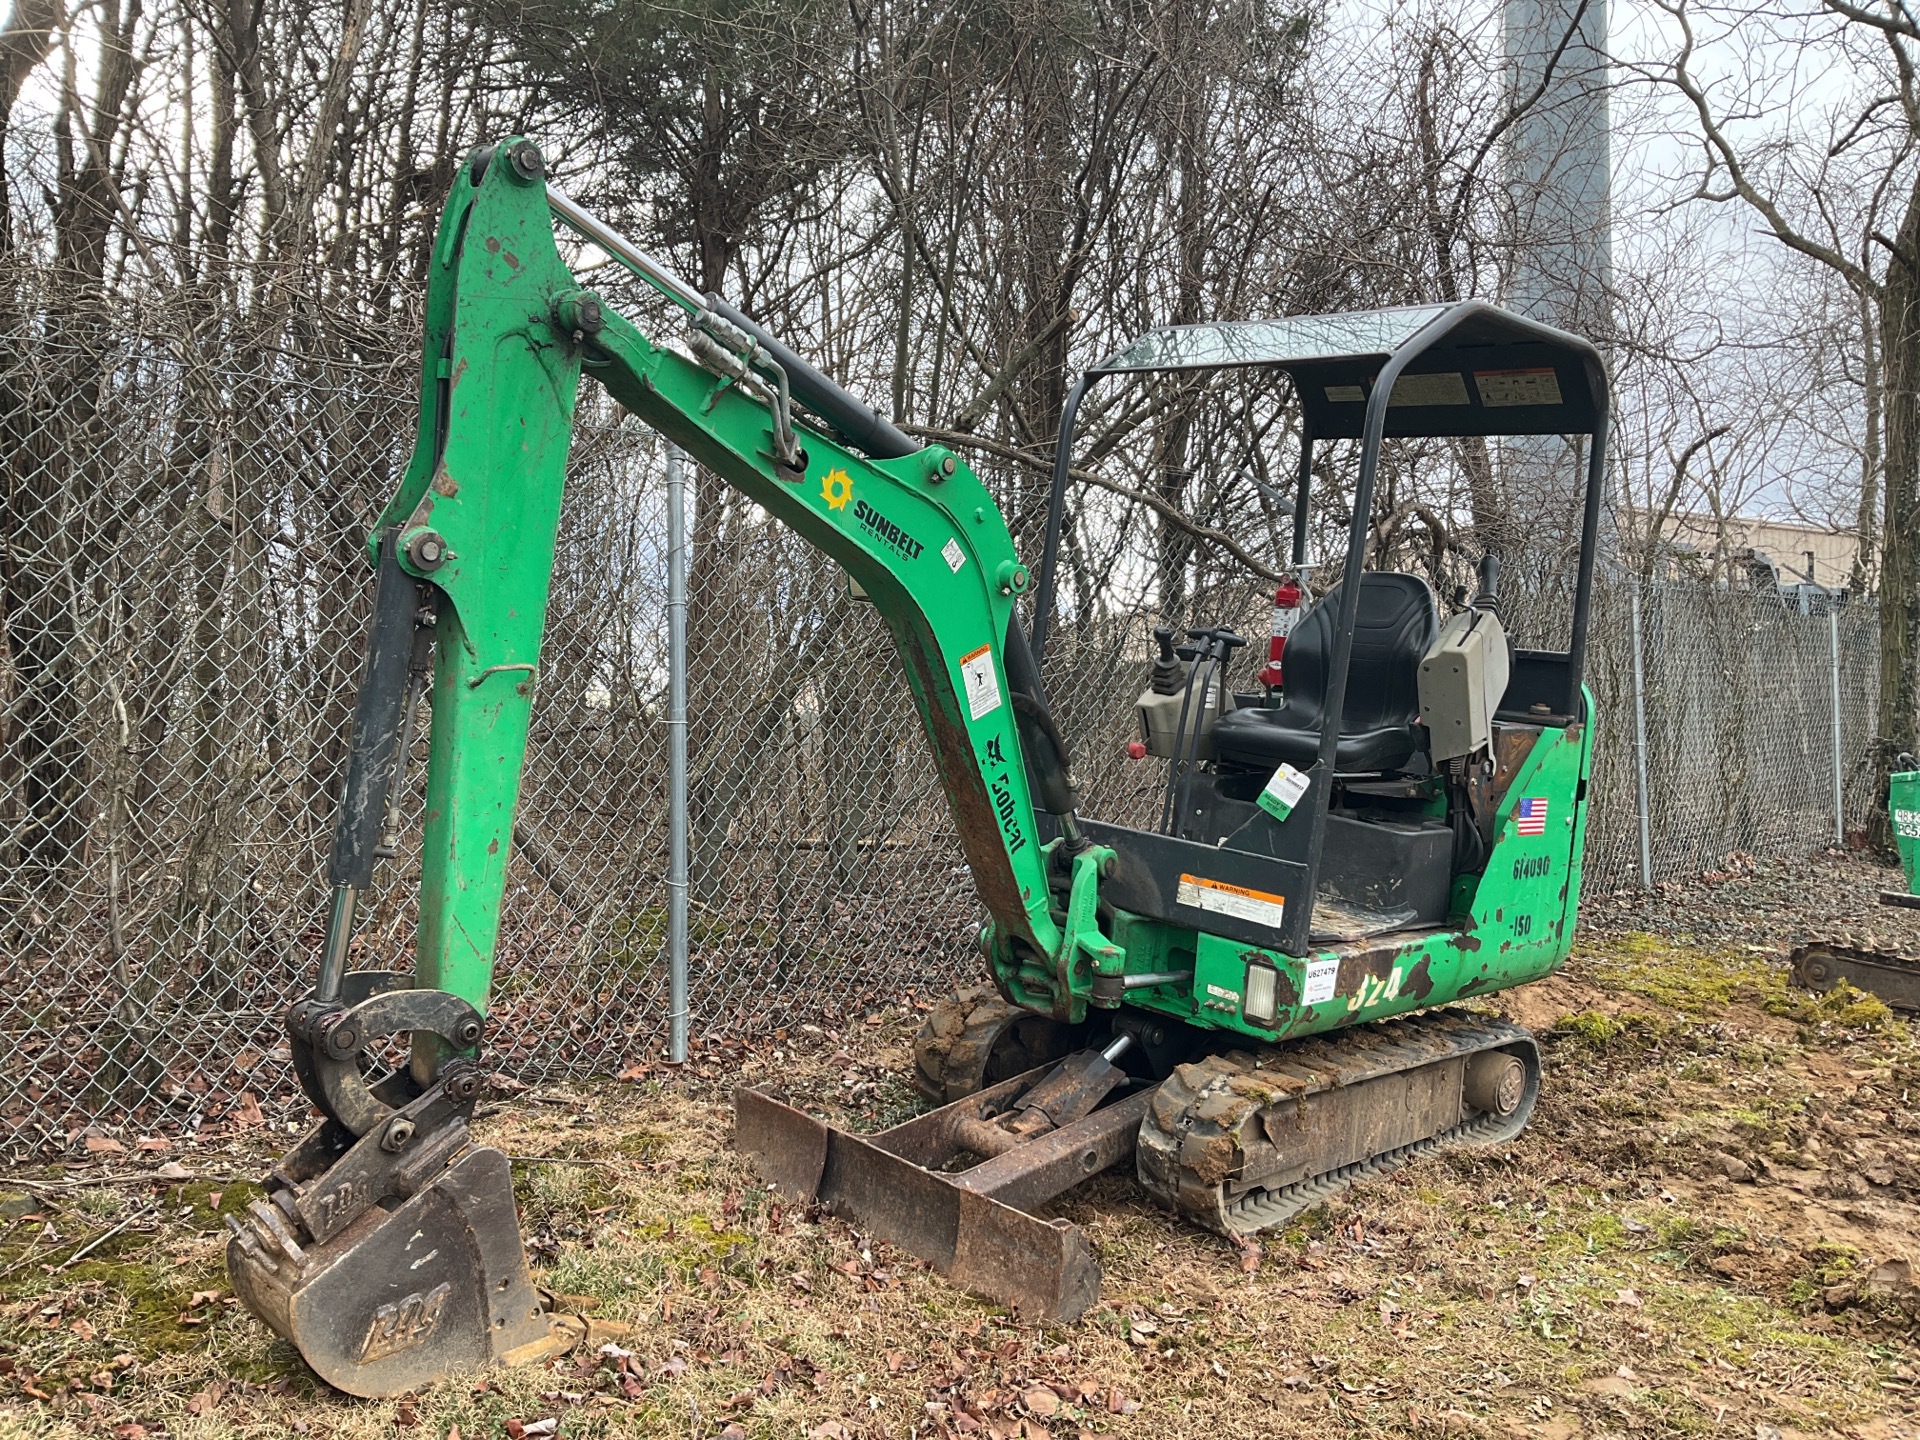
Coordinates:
[1603,1275]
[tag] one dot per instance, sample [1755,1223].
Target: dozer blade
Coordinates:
[402,1296]
[972,1225]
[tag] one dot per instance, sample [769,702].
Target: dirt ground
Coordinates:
[1711,1227]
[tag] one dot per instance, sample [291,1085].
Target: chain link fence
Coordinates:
[185,589]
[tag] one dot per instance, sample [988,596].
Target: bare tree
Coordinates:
[1847,199]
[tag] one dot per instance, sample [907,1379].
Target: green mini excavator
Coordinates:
[1248,1000]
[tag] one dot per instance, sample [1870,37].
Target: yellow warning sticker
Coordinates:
[1256,906]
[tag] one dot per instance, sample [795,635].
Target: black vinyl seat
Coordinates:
[1395,628]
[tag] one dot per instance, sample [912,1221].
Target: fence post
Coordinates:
[1640,743]
[1839,774]
[676,756]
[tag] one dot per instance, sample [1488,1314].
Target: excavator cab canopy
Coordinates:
[1467,368]
[1464,369]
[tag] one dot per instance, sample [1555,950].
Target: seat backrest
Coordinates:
[1395,627]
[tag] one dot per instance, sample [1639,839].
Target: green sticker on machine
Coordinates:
[1283,792]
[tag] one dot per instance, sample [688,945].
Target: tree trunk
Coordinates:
[1900,542]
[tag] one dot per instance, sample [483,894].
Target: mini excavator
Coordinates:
[1245,1001]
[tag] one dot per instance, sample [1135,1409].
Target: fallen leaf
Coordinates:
[831,1430]
[1040,1400]
[153,1142]
[1609,1385]
[104,1145]
[247,1111]
[173,1170]
[732,1432]
[1629,1297]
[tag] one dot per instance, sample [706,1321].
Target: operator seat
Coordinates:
[1394,629]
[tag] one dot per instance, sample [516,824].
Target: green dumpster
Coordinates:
[1903,800]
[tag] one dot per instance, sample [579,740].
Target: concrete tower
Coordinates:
[1559,168]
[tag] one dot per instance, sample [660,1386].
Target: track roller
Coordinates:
[1242,1142]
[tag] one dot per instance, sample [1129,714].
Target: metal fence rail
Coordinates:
[185,588]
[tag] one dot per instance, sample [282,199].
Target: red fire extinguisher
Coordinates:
[1289,601]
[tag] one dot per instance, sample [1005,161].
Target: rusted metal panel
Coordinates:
[1051,1165]
[1045,1269]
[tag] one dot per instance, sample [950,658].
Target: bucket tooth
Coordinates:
[402,1296]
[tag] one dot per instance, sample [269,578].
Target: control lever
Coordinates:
[1208,663]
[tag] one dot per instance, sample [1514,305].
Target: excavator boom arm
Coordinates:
[476,518]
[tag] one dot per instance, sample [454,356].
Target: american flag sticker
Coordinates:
[1530,817]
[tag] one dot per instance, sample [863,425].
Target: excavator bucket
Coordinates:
[430,1283]
[386,1248]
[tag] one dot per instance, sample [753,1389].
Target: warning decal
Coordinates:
[1255,906]
[1507,388]
[1449,387]
[982,685]
[953,555]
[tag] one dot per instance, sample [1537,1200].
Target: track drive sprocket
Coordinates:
[975,1039]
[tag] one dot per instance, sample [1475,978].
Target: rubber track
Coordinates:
[1200,1112]
[1899,974]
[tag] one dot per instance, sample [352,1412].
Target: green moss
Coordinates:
[654,1254]
[275,1363]
[1689,979]
[640,1145]
[572,1191]
[1594,1030]
[232,1198]
[1845,1007]
[1589,1028]
[147,1309]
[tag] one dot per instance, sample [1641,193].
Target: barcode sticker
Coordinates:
[1321,978]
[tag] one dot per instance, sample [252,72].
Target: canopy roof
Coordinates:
[1470,368]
